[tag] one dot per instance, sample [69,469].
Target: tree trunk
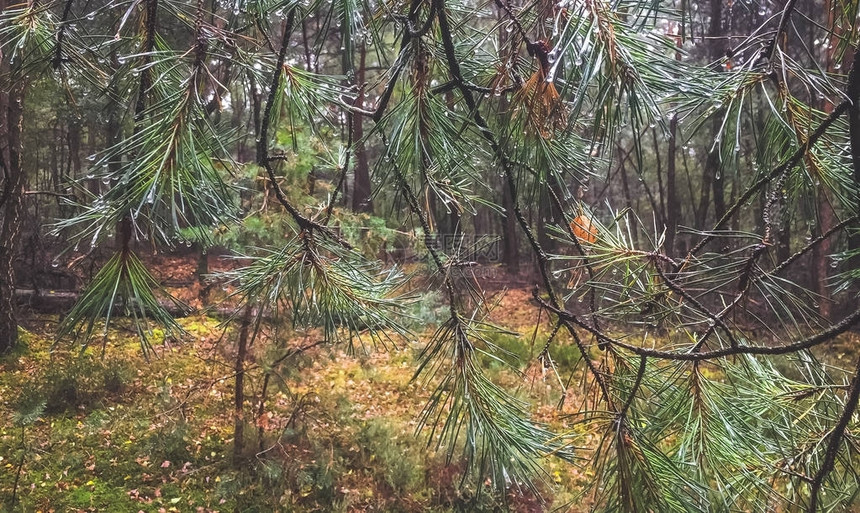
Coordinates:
[854,131]
[510,230]
[673,208]
[826,216]
[625,187]
[239,390]
[718,183]
[361,201]
[11,121]
[783,247]
[544,216]
[712,176]
[74,139]
[509,234]
[820,253]
[202,273]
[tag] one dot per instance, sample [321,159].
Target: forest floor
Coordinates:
[109,430]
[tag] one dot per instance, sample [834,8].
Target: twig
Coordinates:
[785,167]
[643,360]
[807,343]
[487,134]
[835,439]
[785,263]
[14,498]
[770,50]
[350,120]
[61,34]
[681,291]
[385,97]
[263,158]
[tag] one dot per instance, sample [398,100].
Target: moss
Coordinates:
[339,433]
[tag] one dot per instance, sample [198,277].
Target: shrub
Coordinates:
[79,382]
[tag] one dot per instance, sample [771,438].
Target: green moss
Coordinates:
[122,427]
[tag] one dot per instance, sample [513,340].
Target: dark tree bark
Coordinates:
[10,136]
[74,138]
[510,242]
[510,231]
[124,228]
[826,215]
[712,177]
[361,190]
[544,216]
[113,134]
[202,272]
[239,390]
[718,182]
[625,186]
[820,259]
[11,195]
[93,129]
[854,131]
[673,208]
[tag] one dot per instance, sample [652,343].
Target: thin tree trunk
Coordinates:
[544,215]
[820,252]
[74,138]
[509,235]
[718,183]
[113,135]
[510,230]
[658,170]
[673,208]
[826,215]
[783,247]
[625,187]
[854,131]
[361,190]
[92,184]
[202,272]
[239,390]
[712,178]
[261,410]
[11,122]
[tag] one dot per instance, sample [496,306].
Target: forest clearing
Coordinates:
[336,432]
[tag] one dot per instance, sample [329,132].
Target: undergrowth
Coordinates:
[116,432]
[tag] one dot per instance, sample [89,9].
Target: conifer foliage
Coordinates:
[697,329]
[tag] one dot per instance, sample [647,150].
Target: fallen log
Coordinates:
[61,301]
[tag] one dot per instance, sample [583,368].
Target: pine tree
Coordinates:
[697,346]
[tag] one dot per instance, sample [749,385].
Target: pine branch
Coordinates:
[61,34]
[263,158]
[785,167]
[385,97]
[770,49]
[715,318]
[819,338]
[836,438]
[813,243]
[543,259]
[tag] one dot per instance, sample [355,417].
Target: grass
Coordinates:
[115,432]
